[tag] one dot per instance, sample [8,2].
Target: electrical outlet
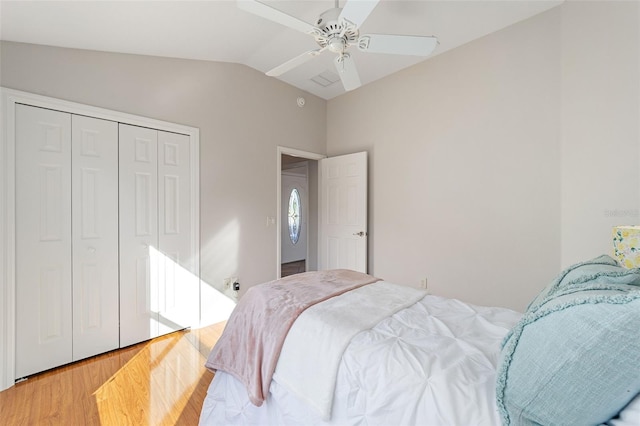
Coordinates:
[229,283]
[423,283]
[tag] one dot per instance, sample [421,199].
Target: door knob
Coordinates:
[360,234]
[91,250]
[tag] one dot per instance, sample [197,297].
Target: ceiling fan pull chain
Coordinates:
[341,62]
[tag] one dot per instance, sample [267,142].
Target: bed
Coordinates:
[376,353]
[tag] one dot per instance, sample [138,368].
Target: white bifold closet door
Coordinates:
[94,209]
[66,238]
[159,290]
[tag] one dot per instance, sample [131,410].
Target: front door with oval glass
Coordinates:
[294,212]
[294,215]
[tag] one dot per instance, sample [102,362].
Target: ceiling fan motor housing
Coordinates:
[335,34]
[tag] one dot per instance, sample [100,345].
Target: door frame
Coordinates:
[304,155]
[9,99]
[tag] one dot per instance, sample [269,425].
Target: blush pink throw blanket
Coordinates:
[252,340]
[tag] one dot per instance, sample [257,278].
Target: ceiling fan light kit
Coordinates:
[336,30]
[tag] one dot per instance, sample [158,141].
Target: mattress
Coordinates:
[431,363]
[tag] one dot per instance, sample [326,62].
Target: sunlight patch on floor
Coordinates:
[155,386]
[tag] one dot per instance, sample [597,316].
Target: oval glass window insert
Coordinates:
[294,216]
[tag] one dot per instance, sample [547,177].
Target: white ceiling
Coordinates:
[218,31]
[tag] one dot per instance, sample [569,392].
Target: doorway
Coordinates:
[297,170]
[337,236]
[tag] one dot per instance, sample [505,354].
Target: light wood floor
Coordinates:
[160,382]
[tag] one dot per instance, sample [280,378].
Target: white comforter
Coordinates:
[432,363]
[321,334]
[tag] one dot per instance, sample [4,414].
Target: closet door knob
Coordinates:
[91,250]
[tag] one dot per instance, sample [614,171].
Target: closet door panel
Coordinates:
[43,239]
[178,280]
[138,234]
[95,236]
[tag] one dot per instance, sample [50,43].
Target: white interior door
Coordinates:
[94,194]
[343,212]
[178,281]
[138,184]
[293,251]
[43,240]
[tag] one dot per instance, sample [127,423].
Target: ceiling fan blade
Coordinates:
[275,15]
[295,62]
[356,11]
[397,44]
[347,71]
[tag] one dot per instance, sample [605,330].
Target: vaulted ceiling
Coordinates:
[219,31]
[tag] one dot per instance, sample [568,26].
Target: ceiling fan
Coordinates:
[336,30]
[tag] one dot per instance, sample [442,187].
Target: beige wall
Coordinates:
[492,164]
[600,124]
[242,116]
